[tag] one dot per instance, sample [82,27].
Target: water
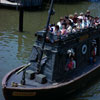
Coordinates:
[15,47]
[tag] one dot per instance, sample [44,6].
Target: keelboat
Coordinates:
[47,72]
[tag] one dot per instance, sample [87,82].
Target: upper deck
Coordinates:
[54,42]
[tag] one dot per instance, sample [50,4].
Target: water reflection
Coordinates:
[20,45]
[92,93]
[15,47]
[24,47]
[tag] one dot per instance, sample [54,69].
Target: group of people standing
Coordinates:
[70,25]
[73,23]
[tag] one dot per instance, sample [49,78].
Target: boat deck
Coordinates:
[29,83]
[69,76]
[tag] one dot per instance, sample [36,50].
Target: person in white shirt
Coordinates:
[85,23]
[60,22]
[81,16]
[69,27]
[57,31]
[79,24]
[71,18]
[74,30]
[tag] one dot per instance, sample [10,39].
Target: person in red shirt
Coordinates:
[72,64]
[75,18]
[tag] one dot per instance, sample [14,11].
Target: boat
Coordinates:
[27,4]
[46,73]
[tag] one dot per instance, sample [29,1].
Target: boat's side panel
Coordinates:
[11,94]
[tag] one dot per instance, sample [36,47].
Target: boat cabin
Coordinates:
[64,55]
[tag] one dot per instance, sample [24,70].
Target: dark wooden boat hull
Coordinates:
[57,90]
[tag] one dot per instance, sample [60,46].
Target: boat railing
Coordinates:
[79,36]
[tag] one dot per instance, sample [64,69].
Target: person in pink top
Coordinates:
[64,30]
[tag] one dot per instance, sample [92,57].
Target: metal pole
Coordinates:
[21,17]
[23,82]
[45,34]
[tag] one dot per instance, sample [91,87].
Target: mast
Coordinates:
[45,34]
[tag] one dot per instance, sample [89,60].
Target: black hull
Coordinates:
[58,90]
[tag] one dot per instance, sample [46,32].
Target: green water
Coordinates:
[15,47]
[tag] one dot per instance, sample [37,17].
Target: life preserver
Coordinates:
[84,49]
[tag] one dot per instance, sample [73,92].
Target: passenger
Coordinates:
[69,27]
[60,23]
[95,50]
[91,19]
[81,16]
[64,30]
[85,23]
[72,64]
[94,53]
[71,19]
[66,18]
[97,21]
[79,24]
[52,27]
[74,30]
[57,31]
[69,52]
[75,18]
[88,14]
